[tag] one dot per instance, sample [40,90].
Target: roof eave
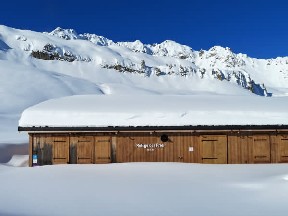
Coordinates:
[151,128]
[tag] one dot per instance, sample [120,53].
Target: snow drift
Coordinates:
[168,189]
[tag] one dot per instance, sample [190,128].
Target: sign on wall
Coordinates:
[34,159]
[151,146]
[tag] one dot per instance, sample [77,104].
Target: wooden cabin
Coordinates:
[52,142]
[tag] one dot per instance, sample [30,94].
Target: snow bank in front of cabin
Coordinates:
[143,189]
[156,110]
[18,161]
[7,151]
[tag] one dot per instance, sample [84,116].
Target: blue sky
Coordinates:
[258,28]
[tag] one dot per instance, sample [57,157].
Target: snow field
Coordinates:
[145,189]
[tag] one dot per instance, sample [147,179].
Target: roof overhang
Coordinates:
[155,128]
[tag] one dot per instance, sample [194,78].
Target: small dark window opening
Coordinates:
[164,138]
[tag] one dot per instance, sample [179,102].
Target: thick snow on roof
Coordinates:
[156,110]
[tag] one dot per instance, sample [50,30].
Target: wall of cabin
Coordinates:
[211,147]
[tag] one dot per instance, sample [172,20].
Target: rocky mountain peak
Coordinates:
[136,46]
[172,49]
[67,34]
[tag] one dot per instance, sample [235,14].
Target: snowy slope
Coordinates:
[91,64]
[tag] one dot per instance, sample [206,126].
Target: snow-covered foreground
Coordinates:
[144,189]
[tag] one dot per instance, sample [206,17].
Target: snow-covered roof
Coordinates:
[156,110]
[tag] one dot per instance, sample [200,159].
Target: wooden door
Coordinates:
[214,149]
[60,149]
[178,147]
[190,148]
[102,149]
[187,148]
[283,149]
[85,149]
[261,149]
[238,152]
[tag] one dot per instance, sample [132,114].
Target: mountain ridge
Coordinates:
[217,63]
[215,55]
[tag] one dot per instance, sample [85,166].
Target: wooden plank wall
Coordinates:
[50,149]
[62,148]
[247,148]
[188,147]
[30,162]
[180,147]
